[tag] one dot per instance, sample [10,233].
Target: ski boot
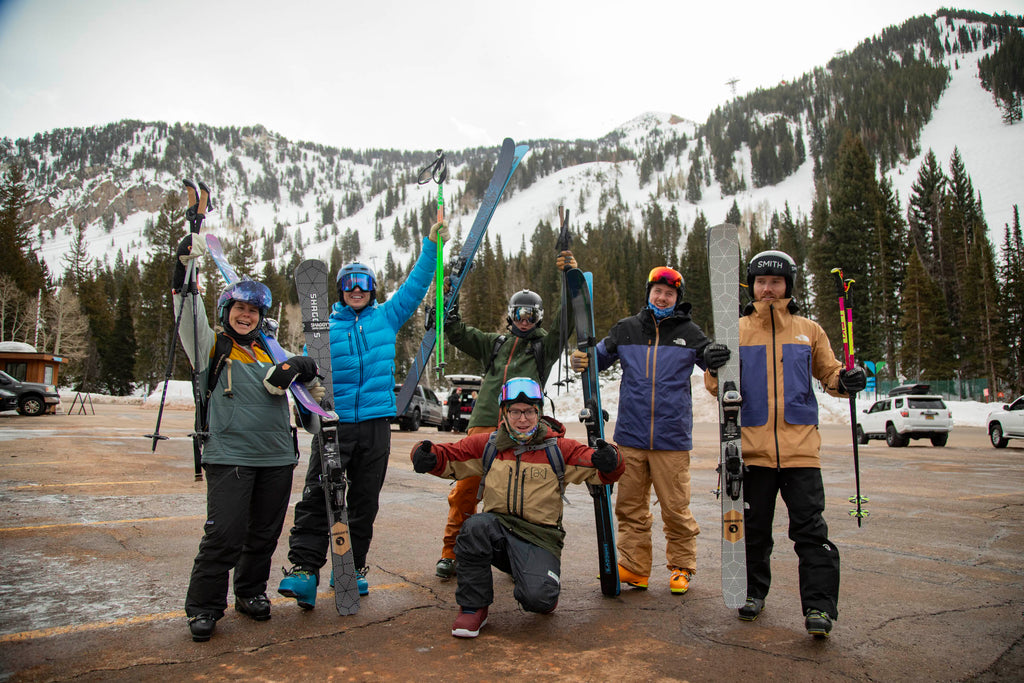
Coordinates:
[679,580]
[361,583]
[300,584]
[201,627]
[445,568]
[751,610]
[817,623]
[634,580]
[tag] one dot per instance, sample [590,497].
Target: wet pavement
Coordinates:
[99,533]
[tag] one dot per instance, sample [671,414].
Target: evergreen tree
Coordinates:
[925,330]
[888,271]
[119,351]
[694,269]
[16,257]
[1012,276]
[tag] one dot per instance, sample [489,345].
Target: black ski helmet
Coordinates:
[525,305]
[251,292]
[356,275]
[772,262]
[663,275]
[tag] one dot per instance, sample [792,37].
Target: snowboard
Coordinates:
[723,269]
[311,283]
[579,285]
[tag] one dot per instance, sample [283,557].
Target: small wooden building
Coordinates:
[22,362]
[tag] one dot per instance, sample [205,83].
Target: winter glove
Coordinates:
[565,261]
[280,377]
[579,360]
[422,459]
[605,457]
[186,251]
[852,381]
[716,355]
[317,390]
[438,229]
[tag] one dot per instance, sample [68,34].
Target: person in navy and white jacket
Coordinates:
[657,349]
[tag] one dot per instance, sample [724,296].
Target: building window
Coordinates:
[17,370]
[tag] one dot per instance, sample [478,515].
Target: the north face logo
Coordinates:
[679,342]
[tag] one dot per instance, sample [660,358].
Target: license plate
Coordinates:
[929,417]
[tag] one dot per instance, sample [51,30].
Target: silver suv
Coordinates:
[908,412]
[1006,423]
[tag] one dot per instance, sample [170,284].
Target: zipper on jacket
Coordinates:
[516,491]
[652,364]
[775,390]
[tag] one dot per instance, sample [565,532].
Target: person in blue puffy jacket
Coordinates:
[363,336]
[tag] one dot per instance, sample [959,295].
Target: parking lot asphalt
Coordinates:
[99,533]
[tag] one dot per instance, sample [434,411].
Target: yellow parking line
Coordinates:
[148,618]
[84,483]
[112,521]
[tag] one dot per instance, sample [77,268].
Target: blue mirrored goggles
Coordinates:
[363,281]
[518,387]
[527,314]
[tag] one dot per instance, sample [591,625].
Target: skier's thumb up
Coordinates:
[579,360]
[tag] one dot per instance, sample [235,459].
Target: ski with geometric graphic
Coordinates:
[723,268]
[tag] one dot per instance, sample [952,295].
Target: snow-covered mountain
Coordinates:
[113,180]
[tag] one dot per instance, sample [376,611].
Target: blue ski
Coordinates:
[508,162]
[592,416]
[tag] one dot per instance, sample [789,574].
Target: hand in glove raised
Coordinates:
[423,460]
[188,250]
[280,377]
[438,229]
[565,261]
[716,355]
[317,390]
[852,381]
[579,360]
[605,457]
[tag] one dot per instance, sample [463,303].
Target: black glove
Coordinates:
[852,381]
[281,376]
[605,457]
[422,459]
[716,355]
[184,249]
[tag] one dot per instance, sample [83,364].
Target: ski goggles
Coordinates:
[249,291]
[664,275]
[528,314]
[521,389]
[350,281]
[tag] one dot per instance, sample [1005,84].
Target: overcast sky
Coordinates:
[412,75]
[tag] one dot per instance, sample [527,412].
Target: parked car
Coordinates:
[1006,423]
[461,400]
[33,398]
[8,401]
[424,408]
[908,412]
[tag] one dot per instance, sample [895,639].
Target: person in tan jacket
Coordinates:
[525,466]
[780,354]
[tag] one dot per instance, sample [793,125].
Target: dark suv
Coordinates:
[33,398]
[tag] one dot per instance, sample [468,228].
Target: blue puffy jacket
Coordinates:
[657,359]
[363,345]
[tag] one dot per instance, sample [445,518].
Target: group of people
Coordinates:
[514,459]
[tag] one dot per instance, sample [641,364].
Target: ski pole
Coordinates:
[437,171]
[846,323]
[564,243]
[190,213]
[195,224]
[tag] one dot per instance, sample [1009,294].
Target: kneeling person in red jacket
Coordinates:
[525,466]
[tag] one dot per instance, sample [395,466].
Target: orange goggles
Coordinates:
[665,276]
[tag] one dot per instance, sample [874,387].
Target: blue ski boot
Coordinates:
[361,583]
[299,583]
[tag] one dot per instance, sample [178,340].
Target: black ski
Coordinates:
[508,161]
[311,278]
[593,417]
[723,268]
